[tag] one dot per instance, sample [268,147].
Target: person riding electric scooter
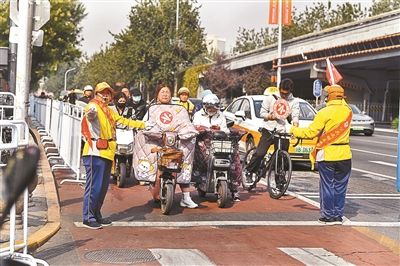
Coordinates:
[216,155]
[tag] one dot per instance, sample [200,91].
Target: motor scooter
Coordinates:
[222,148]
[169,162]
[123,155]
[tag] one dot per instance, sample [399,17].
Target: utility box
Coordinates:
[3,57]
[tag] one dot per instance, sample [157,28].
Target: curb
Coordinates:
[386,130]
[53,223]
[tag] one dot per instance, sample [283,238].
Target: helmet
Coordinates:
[271,91]
[183,90]
[210,100]
[334,92]
[88,88]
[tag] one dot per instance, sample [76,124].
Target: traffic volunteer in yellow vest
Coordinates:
[332,152]
[98,129]
[183,94]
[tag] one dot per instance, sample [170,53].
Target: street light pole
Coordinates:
[177,44]
[65,77]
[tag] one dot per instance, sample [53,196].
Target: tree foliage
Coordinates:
[314,18]
[62,37]
[256,79]
[220,80]
[191,77]
[383,6]
[149,49]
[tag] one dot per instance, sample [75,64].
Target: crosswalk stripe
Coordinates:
[181,257]
[315,256]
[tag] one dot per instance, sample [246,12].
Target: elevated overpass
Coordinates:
[366,53]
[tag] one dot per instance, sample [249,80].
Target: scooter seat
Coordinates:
[219,135]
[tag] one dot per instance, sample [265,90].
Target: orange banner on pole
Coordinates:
[286,12]
[273,12]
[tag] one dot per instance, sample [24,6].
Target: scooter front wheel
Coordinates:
[222,193]
[167,197]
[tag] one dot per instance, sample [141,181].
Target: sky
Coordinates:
[220,18]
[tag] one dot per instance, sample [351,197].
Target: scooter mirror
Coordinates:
[18,174]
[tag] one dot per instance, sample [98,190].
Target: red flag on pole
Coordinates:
[273,12]
[332,74]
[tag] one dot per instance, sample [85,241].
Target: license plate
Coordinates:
[301,149]
[357,128]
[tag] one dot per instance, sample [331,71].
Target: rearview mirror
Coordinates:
[240,114]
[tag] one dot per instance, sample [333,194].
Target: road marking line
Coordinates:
[181,257]
[315,256]
[358,197]
[372,173]
[377,142]
[355,194]
[376,153]
[243,223]
[384,163]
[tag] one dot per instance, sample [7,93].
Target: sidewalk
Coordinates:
[44,209]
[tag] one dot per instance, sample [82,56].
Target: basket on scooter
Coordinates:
[170,160]
[221,146]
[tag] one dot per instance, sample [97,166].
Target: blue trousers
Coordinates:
[334,177]
[98,171]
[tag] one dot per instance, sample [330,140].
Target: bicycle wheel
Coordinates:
[279,174]
[248,184]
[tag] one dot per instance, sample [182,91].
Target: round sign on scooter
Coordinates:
[281,109]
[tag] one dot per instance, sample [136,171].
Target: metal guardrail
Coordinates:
[62,124]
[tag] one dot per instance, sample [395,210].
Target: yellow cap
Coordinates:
[271,90]
[334,92]
[103,86]
[183,90]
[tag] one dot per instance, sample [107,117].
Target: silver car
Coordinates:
[361,123]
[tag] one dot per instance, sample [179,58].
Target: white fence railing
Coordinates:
[14,134]
[62,124]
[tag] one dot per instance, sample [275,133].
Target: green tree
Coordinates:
[62,37]
[256,79]
[382,6]
[152,50]
[318,17]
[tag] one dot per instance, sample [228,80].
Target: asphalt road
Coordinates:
[372,196]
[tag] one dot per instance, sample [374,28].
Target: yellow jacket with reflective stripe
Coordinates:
[188,105]
[335,112]
[99,127]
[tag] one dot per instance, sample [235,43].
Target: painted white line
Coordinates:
[356,194]
[384,163]
[305,199]
[315,256]
[181,257]
[358,197]
[371,141]
[376,153]
[372,173]
[242,223]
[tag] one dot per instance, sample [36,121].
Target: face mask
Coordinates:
[121,105]
[136,98]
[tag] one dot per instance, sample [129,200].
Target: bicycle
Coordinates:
[278,165]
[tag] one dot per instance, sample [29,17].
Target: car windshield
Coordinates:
[257,107]
[355,109]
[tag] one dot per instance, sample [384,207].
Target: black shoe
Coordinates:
[104,221]
[339,220]
[329,221]
[92,225]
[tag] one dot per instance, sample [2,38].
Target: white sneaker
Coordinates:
[188,203]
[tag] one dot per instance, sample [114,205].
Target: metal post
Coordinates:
[12,63]
[24,50]
[176,43]
[398,152]
[65,77]
[278,72]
